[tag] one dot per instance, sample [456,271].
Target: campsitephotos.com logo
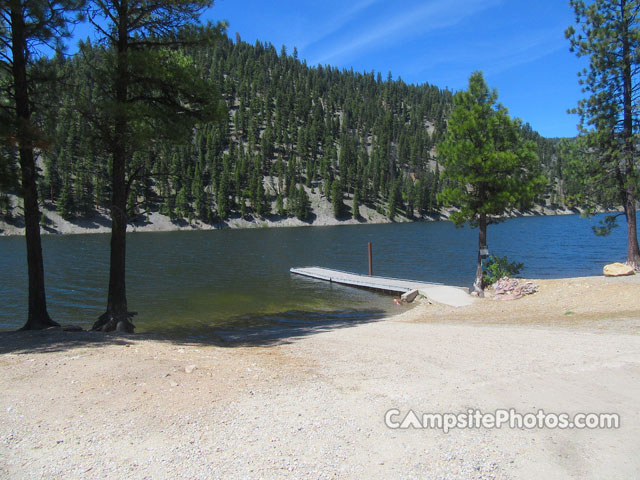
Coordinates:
[508,418]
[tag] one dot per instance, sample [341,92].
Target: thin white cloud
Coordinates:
[434,15]
[492,57]
[337,22]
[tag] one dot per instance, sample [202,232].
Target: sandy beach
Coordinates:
[312,403]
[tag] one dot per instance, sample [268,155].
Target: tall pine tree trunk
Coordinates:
[633,252]
[117,316]
[37,317]
[482,243]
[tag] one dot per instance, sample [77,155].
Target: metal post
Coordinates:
[370,261]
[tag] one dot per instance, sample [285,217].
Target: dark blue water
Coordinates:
[241,277]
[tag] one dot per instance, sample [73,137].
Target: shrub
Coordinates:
[497,267]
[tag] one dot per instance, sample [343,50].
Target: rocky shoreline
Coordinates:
[155,222]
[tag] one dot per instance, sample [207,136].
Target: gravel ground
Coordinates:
[89,405]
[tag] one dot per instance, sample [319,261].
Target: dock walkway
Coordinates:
[435,292]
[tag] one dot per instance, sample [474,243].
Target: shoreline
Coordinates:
[156,222]
[312,405]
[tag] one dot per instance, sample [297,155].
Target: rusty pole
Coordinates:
[370,261]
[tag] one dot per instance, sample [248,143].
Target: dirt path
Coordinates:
[83,405]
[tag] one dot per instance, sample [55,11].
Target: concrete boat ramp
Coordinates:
[435,292]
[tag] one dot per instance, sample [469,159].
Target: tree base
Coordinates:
[635,265]
[110,322]
[478,288]
[40,324]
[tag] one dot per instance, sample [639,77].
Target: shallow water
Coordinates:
[238,278]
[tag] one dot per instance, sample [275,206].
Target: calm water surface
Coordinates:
[238,278]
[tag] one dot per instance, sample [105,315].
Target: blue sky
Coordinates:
[518,44]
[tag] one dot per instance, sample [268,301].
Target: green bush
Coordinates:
[497,267]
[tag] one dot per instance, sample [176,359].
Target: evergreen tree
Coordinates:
[395,199]
[609,35]
[337,200]
[183,205]
[223,195]
[409,194]
[489,166]
[65,202]
[200,196]
[8,180]
[280,210]
[25,27]
[149,90]
[355,209]
[132,204]
[302,204]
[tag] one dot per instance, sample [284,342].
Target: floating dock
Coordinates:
[435,292]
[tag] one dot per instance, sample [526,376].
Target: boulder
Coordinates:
[617,270]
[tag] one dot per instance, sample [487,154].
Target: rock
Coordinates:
[124,327]
[505,285]
[617,270]
[510,289]
[528,288]
[189,368]
[409,296]
[508,296]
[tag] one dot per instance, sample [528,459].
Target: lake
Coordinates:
[230,279]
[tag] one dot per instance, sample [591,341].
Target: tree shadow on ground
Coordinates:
[311,217]
[54,340]
[14,220]
[92,222]
[180,222]
[277,329]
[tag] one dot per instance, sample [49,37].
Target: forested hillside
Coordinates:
[292,131]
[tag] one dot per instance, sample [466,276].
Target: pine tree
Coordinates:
[355,209]
[609,35]
[280,210]
[183,205]
[337,200]
[25,28]
[65,201]
[489,166]
[410,197]
[302,204]
[149,90]
[223,195]
[395,199]
[199,195]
